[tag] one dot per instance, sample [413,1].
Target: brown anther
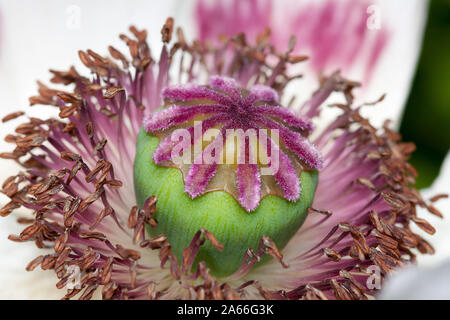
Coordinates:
[208,235]
[132,217]
[48,262]
[424,225]
[104,213]
[90,199]
[8,208]
[35,263]
[297,59]
[167,30]
[272,250]
[438,197]
[333,255]
[112,92]
[109,290]
[30,231]
[116,54]
[127,253]
[88,292]
[12,116]
[367,183]
[324,212]
[107,271]
[70,156]
[98,236]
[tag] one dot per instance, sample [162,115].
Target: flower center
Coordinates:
[269,142]
[228,160]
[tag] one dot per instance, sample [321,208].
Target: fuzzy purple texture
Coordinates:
[224,104]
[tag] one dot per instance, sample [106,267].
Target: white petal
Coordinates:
[396,69]
[441,239]
[15,281]
[39,35]
[414,283]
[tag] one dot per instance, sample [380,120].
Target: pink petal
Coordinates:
[214,18]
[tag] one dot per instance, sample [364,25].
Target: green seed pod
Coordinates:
[180,217]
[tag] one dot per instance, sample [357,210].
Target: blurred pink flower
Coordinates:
[373,41]
[334,33]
